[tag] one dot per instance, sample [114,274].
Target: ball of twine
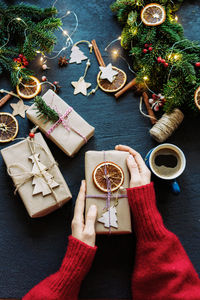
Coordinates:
[167,124]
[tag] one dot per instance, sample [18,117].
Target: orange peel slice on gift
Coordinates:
[28,88]
[197,97]
[153,14]
[114,173]
[8,127]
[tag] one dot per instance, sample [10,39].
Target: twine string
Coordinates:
[29,174]
[109,194]
[167,124]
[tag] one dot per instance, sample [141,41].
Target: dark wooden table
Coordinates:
[30,249]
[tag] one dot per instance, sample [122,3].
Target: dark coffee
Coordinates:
[166,162]
[169,161]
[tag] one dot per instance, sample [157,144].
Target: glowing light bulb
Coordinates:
[18,19]
[176,56]
[41,58]
[65,32]
[115,52]
[135,31]
[145,78]
[176,18]
[68,12]
[64,48]
[169,56]
[119,38]
[37,51]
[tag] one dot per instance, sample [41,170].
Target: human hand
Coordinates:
[84,231]
[140,174]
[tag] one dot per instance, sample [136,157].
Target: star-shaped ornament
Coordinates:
[80,86]
[108,73]
[19,108]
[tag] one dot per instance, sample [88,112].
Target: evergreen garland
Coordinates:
[38,24]
[178,88]
[44,111]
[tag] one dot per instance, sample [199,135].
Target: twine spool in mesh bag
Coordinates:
[167,124]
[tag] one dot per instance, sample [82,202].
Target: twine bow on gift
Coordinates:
[63,119]
[26,175]
[109,195]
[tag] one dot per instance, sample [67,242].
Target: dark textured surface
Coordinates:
[32,249]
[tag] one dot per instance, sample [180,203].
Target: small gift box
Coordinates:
[36,176]
[69,131]
[107,178]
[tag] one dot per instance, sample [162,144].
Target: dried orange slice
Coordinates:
[28,89]
[114,173]
[8,127]
[116,85]
[197,98]
[153,14]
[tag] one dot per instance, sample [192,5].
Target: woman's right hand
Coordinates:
[140,174]
[84,231]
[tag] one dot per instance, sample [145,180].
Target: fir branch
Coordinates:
[179,81]
[45,111]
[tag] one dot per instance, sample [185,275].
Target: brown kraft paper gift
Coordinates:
[19,165]
[68,141]
[92,159]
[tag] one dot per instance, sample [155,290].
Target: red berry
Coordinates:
[44,78]
[55,82]
[25,63]
[197,64]
[154,96]
[24,59]
[14,59]
[162,60]
[146,45]
[145,51]
[31,135]
[159,59]
[19,59]
[150,44]
[166,65]
[150,48]
[22,67]
[21,55]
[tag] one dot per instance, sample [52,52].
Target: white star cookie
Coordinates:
[108,73]
[80,86]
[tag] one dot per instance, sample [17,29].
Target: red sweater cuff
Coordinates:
[75,266]
[148,223]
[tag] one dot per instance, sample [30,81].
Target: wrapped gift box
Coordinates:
[69,141]
[25,168]
[92,159]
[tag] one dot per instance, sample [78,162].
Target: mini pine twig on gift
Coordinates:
[45,111]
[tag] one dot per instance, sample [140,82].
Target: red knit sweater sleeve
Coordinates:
[162,268]
[65,284]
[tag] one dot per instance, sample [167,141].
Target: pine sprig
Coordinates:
[35,32]
[180,80]
[44,111]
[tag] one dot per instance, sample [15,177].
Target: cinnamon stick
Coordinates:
[5,99]
[127,87]
[98,54]
[149,109]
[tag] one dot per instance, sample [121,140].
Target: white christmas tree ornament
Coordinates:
[42,179]
[113,218]
[77,55]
